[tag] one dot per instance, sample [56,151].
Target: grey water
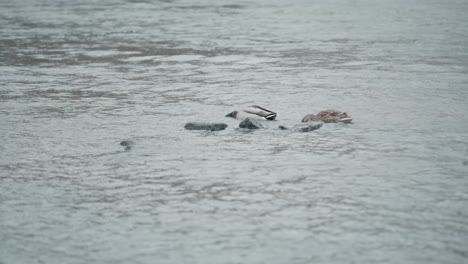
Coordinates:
[79,77]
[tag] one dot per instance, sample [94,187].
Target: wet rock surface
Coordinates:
[205,126]
[250,123]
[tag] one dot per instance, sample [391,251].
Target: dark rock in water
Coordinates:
[250,124]
[127,144]
[303,128]
[465,162]
[205,126]
[309,128]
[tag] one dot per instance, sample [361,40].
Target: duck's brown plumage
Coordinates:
[328,116]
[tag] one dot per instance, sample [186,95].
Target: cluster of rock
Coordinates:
[247,123]
[327,116]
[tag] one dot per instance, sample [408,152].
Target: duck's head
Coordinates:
[233,114]
[343,115]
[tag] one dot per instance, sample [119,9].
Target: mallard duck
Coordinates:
[253,111]
[328,116]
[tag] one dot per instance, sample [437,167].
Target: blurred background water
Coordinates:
[78,77]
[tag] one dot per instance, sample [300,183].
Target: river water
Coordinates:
[78,77]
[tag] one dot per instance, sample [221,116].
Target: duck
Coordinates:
[328,116]
[253,111]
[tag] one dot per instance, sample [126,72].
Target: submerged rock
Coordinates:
[250,123]
[303,128]
[309,128]
[205,126]
[127,144]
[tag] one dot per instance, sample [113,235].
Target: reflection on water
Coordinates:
[77,78]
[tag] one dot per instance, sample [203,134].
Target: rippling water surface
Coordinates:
[78,77]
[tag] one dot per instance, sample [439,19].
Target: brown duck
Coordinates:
[328,116]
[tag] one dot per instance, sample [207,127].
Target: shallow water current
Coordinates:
[79,77]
